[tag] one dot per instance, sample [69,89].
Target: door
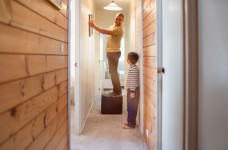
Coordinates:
[171,86]
[213,75]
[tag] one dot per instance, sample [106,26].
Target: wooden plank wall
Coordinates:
[33,75]
[149,71]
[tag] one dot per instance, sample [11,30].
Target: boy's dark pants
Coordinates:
[113,59]
[132,107]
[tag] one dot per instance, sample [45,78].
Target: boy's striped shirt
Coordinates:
[132,78]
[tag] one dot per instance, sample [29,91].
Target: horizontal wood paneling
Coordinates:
[42,7]
[34,75]
[50,131]
[27,19]
[12,69]
[56,62]
[36,126]
[19,91]
[145,4]
[149,40]
[149,51]
[149,71]
[66,2]
[148,30]
[66,146]
[149,62]
[19,115]
[62,143]
[5,15]
[56,139]
[150,7]
[29,43]
[64,9]
[28,65]
[149,96]
[45,136]
[150,85]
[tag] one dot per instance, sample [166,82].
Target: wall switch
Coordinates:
[147,133]
[62,48]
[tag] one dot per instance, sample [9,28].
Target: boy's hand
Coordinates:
[132,95]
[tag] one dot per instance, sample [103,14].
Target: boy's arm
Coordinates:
[96,27]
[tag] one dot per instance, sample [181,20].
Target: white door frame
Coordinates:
[74,34]
[158,145]
[78,128]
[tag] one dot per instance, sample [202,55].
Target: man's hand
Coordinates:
[132,95]
[92,23]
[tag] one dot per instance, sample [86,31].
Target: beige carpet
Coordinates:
[105,132]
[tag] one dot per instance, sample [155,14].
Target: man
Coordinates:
[113,44]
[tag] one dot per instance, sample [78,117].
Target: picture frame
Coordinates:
[57,3]
[90,28]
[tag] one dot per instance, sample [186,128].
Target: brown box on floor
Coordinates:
[111,104]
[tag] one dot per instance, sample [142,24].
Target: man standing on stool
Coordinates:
[113,44]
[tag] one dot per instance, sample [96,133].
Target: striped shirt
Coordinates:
[132,78]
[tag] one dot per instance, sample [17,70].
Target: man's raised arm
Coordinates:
[93,24]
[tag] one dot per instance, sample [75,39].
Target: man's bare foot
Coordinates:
[127,127]
[126,123]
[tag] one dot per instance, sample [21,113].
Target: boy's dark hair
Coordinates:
[133,57]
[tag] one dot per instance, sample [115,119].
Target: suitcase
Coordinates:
[111,104]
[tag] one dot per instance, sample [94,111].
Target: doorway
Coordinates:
[84,72]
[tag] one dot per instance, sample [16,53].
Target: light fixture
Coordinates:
[112,6]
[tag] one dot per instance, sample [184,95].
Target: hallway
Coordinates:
[104,132]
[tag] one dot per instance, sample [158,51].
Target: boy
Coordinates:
[132,85]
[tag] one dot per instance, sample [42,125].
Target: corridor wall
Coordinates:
[149,71]
[87,67]
[33,78]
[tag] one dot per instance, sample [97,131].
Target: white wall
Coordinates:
[105,18]
[139,49]
[87,67]
[135,44]
[213,75]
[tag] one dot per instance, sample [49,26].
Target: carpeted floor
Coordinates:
[105,132]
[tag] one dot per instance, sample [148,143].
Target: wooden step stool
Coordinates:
[111,104]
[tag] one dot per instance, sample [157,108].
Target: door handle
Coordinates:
[160,70]
[76,64]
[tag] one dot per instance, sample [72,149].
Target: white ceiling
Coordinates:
[124,4]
